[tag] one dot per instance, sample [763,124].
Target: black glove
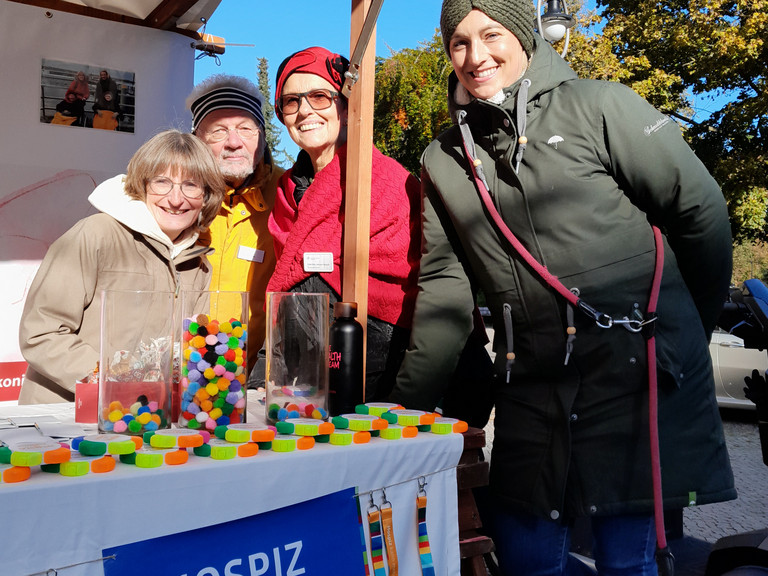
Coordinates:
[756,390]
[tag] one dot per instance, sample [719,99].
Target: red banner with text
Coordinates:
[11,377]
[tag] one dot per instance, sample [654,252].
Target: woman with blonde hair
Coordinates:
[144,238]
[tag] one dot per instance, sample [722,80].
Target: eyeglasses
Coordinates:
[221,134]
[162,186]
[317,100]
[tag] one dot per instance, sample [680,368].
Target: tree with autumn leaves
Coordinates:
[410,107]
[679,51]
[676,54]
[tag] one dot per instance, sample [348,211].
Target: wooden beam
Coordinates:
[69,7]
[357,202]
[167,13]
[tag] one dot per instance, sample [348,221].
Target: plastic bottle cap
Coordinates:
[15,474]
[176,457]
[247,450]
[345,310]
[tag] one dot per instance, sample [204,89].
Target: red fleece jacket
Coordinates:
[317,227]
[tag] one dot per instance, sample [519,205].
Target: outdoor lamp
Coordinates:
[554,23]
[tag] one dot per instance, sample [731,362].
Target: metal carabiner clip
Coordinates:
[384,502]
[633,326]
[372,506]
[604,321]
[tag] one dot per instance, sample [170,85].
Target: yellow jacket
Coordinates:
[244,257]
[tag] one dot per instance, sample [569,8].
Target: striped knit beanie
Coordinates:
[517,16]
[221,97]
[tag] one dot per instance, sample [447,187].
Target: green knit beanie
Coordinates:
[517,16]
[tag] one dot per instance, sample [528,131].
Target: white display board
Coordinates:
[48,170]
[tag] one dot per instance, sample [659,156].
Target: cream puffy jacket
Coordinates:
[122,248]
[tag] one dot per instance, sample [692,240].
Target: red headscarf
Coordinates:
[314,60]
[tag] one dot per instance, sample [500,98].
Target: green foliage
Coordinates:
[675,54]
[272,130]
[675,51]
[750,261]
[411,107]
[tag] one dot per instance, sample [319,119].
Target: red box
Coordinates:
[87,402]
[11,377]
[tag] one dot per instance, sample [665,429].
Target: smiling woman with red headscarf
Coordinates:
[309,213]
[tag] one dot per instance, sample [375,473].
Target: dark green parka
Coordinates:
[571,439]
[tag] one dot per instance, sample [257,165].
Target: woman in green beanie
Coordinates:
[578,172]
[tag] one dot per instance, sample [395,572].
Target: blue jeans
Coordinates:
[531,546]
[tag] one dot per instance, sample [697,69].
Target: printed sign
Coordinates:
[11,377]
[320,536]
[318,261]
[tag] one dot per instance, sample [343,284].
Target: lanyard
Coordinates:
[382,537]
[425,552]
[362,539]
[389,534]
[377,551]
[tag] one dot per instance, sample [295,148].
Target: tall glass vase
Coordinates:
[213,361]
[135,383]
[297,355]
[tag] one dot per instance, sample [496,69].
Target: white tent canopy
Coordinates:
[182,16]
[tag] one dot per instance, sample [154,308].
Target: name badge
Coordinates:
[318,261]
[250,254]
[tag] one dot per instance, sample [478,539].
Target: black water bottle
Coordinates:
[345,370]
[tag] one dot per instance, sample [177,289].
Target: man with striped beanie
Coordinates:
[227,115]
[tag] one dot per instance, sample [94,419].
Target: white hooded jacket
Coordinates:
[121,248]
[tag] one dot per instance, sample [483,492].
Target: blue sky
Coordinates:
[277,29]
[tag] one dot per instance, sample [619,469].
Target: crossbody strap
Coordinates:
[601,319]
[647,325]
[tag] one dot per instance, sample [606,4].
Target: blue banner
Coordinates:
[316,537]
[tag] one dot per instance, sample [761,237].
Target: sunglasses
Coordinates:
[317,100]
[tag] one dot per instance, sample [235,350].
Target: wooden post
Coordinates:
[357,203]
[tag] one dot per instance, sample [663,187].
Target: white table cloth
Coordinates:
[52,521]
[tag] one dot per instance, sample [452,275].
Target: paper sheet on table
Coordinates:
[19,434]
[61,429]
[32,420]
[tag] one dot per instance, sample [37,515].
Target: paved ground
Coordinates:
[704,525]
[750,510]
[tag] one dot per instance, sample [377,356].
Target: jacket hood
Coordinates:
[546,71]
[110,198]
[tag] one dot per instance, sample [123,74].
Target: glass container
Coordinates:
[297,355]
[135,382]
[213,359]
